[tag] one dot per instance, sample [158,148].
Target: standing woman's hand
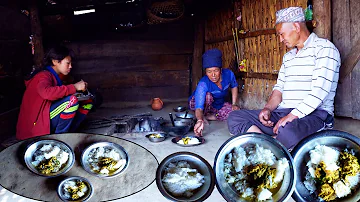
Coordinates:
[80,86]
[198,128]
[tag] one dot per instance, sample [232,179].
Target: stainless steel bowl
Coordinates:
[34,146]
[331,138]
[156,139]
[184,122]
[195,161]
[179,109]
[61,190]
[182,115]
[251,139]
[85,156]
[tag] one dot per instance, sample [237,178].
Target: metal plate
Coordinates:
[119,149]
[34,146]
[155,139]
[177,139]
[331,138]
[195,161]
[86,197]
[251,139]
[82,97]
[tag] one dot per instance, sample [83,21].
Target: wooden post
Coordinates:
[196,70]
[322,15]
[36,31]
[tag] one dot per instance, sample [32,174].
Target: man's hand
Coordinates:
[198,128]
[283,121]
[264,117]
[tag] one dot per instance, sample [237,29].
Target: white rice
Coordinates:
[330,157]
[179,182]
[100,152]
[47,151]
[190,142]
[72,184]
[241,157]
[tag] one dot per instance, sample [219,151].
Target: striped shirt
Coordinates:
[308,79]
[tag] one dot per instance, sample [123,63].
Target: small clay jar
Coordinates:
[156,103]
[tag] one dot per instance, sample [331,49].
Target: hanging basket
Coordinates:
[164,12]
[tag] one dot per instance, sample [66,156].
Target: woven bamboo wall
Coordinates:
[218,26]
[263,53]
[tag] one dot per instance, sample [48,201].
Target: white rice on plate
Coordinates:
[96,155]
[241,160]
[47,152]
[327,160]
[181,180]
[74,189]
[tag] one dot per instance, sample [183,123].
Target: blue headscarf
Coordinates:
[212,58]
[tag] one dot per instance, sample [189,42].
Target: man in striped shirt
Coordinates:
[302,101]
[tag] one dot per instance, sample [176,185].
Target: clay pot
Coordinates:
[156,103]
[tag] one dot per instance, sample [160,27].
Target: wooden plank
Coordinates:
[342,40]
[144,94]
[350,61]
[256,75]
[196,68]
[92,49]
[242,36]
[36,30]
[355,41]
[322,15]
[131,63]
[131,79]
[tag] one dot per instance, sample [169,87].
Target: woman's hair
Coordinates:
[57,53]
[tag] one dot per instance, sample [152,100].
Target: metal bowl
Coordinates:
[196,162]
[250,139]
[331,138]
[182,115]
[61,190]
[179,109]
[184,122]
[34,146]
[119,149]
[156,139]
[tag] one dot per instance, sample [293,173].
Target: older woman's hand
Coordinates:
[235,107]
[198,128]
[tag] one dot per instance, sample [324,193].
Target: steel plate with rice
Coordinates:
[105,159]
[75,188]
[185,176]
[49,158]
[254,167]
[323,152]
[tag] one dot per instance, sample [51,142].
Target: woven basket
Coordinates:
[163,12]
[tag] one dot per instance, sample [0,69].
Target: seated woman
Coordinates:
[208,100]
[48,106]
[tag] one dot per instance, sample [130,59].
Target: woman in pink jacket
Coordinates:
[48,106]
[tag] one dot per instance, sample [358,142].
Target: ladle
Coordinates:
[172,119]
